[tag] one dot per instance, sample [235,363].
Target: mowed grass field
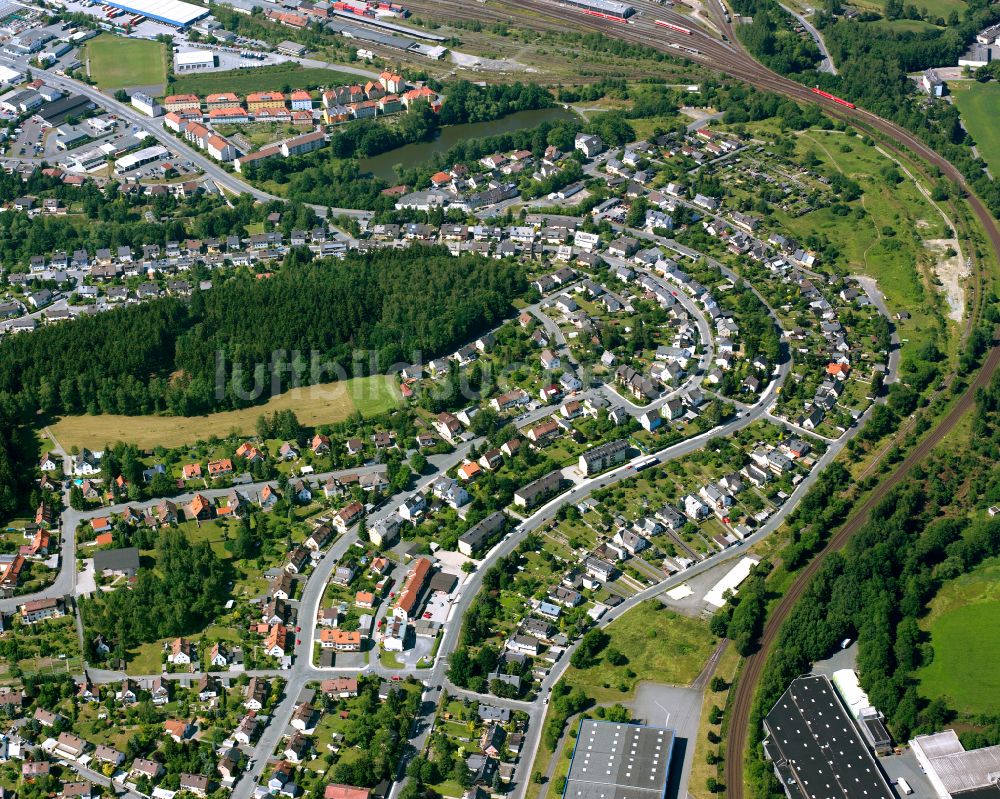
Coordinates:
[313,405]
[935,8]
[978,103]
[243,81]
[964,627]
[117,62]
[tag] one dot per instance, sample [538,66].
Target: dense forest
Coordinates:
[916,539]
[779,48]
[111,219]
[188,588]
[12,472]
[191,358]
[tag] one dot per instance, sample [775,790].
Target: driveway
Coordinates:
[678,709]
[86,581]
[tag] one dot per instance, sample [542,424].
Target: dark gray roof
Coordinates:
[543,485]
[479,533]
[122,560]
[599,453]
[816,747]
[56,112]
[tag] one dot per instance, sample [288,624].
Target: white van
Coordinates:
[904,787]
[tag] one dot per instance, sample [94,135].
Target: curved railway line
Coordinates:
[731,59]
[753,665]
[739,64]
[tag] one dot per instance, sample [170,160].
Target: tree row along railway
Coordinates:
[732,60]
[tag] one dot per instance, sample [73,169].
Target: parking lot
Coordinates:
[437,607]
[410,658]
[678,709]
[227,60]
[29,142]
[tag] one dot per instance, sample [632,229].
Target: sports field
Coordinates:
[117,62]
[321,404]
[978,104]
[243,81]
[964,626]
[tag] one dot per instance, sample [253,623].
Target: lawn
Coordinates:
[964,627]
[660,645]
[942,8]
[321,404]
[146,658]
[936,8]
[978,103]
[117,62]
[904,25]
[389,660]
[243,81]
[893,260]
[260,134]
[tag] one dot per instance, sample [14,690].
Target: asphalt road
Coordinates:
[154,127]
[826,65]
[303,671]
[65,581]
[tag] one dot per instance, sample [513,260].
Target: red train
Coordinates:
[833,97]
[672,27]
[367,9]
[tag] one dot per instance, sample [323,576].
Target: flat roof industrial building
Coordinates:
[170,12]
[611,8]
[619,761]
[188,60]
[140,158]
[8,75]
[955,772]
[58,111]
[816,750]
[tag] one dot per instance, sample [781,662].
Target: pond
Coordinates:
[381,166]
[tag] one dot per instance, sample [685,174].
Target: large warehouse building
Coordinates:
[957,773]
[169,12]
[619,761]
[815,748]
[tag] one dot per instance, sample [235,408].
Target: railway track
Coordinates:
[729,58]
[753,667]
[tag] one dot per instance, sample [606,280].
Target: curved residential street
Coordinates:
[303,671]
